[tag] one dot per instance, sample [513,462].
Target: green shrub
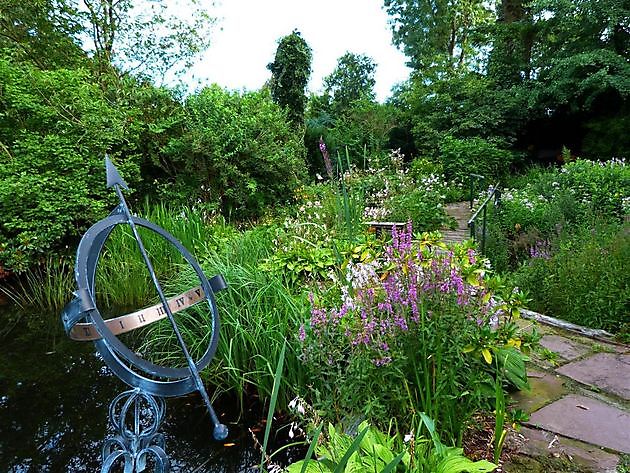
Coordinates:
[582,278]
[420,206]
[394,193]
[420,167]
[363,129]
[55,127]
[602,186]
[239,151]
[461,157]
[549,202]
[372,450]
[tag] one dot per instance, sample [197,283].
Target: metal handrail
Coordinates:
[496,193]
[474,177]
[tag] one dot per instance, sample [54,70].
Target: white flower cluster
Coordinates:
[397,158]
[375,213]
[524,198]
[431,182]
[360,275]
[614,162]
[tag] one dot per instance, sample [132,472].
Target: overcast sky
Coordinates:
[245,40]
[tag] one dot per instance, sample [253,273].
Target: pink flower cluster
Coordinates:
[414,285]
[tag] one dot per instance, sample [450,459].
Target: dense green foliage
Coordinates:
[582,278]
[438,33]
[43,33]
[537,76]
[290,72]
[362,131]
[547,202]
[565,234]
[238,153]
[54,130]
[397,328]
[372,450]
[462,157]
[352,79]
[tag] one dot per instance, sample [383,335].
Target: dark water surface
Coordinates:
[54,398]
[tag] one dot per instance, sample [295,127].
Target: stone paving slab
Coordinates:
[609,372]
[545,388]
[564,347]
[529,325]
[541,442]
[586,419]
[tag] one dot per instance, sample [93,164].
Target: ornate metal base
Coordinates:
[136,416]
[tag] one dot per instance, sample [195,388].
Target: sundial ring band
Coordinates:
[109,346]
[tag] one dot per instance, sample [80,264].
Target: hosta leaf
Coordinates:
[487,355]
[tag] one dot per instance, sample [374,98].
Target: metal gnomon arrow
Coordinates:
[114,180]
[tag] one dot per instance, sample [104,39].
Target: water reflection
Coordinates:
[54,396]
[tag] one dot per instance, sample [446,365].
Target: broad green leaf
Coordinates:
[353,448]
[487,355]
[392,465]
[457,463]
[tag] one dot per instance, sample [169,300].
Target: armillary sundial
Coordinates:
[138,442]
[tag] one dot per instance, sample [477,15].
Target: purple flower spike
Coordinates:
[326,156]
[302,333]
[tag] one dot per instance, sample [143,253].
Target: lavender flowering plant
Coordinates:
[399,341]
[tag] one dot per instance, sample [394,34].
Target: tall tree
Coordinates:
[149,37]
[438,32]
[582,75]
[352,79]
[41,32]
[146,38]
[513,39]
[290,72]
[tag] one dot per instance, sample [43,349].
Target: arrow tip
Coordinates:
[113,177]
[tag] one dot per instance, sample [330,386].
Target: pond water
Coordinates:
[54,399]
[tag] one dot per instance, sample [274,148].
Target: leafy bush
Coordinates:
[461,157]
[552,201]
[238,151]
[411,334]
[392,193]
[372,450]
[603,186]
[55,127]
[419,205]
[582,278]
[363,129]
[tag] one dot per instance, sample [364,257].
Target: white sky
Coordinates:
[245,41]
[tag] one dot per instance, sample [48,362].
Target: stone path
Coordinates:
[460,211]
[579,404]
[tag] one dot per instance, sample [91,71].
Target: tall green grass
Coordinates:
[122,276]
[123,279]
[45,288]
[349,204]
[258,314]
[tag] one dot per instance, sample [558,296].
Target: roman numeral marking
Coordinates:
[180,302]
[142,319]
